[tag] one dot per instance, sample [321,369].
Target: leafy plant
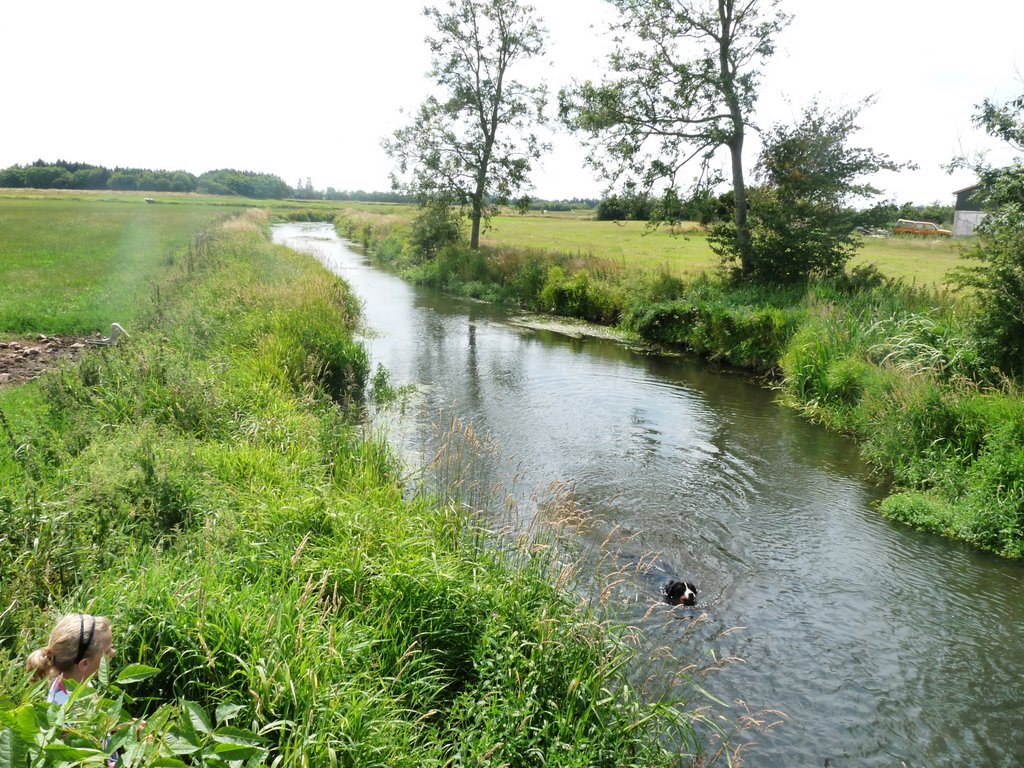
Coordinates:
[999,278]
[93,728]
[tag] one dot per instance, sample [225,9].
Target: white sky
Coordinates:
[309,89]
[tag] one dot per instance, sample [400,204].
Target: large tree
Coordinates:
[474,144]
[683,83]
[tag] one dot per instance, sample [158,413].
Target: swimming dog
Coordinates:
[680,593]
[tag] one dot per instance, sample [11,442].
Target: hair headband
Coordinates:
[84,641]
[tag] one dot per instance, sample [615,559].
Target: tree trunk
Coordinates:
[477,200]
[474,232]
[739,190]
[726,9]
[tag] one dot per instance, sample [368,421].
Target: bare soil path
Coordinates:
[23,359]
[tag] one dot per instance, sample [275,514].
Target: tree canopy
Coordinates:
[684,82]
[812,197]
[473,145]
[64,175]
[998,276]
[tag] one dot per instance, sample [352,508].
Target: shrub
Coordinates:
[994,499]
[437,225]
[925,511]
[579,295]
[528,281]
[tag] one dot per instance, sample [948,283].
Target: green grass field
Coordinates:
[681,251]
[74,264]
[630,243]
[686,250]
[924,261]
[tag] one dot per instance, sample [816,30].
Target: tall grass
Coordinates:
[910,384]
[208,486]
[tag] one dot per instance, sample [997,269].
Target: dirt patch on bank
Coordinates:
[22,360]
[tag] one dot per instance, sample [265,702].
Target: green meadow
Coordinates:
[74,265]
[277,596]
[681,251]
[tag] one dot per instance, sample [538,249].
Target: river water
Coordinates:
[880,646]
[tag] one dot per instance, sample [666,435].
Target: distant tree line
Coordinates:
[305,191]
[639,205]
[65,175]
[572,204]
[935,212]
[362,196]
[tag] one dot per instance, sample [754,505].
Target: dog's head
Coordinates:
[680,593]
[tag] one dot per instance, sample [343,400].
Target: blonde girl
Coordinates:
[76,647]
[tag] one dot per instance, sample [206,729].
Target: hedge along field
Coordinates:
[207,486]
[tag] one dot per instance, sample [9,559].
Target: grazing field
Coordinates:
[685,250]
[73,265]
[72,262]
[916,260]
[679,251]
[630,243]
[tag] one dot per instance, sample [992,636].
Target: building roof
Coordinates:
[967,189]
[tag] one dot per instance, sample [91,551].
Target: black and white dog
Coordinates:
[680,593]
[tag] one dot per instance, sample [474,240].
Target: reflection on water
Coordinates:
[882,646]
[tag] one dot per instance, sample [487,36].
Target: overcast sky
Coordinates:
[310,89]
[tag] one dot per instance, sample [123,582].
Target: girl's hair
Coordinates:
[77,636]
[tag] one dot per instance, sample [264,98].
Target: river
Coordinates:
[881,646]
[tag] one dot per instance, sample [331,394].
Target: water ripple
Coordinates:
[881,645]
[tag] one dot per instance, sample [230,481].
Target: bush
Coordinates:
[527,282]
[994,497]
[988,512]
[999,279]
[924,511]
[438,225]
[749,337]
[801,219]
[579,295]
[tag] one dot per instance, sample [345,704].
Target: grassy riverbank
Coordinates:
[885,355]
[207,485]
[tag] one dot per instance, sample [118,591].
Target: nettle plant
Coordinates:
[93,729]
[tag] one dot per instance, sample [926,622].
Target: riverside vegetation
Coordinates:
[889,361]
[207,485]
